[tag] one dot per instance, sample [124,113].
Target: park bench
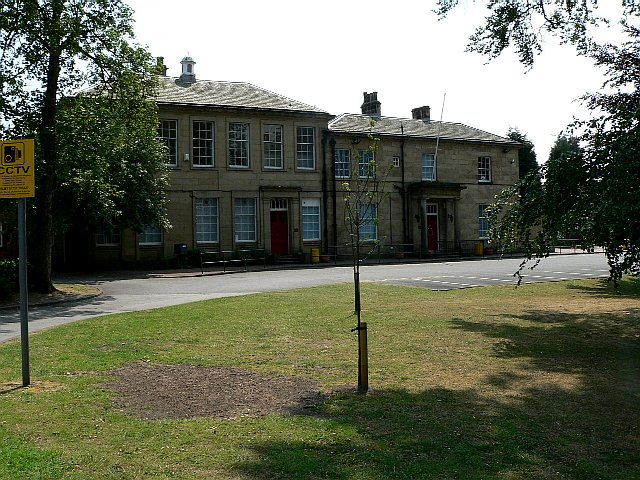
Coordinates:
[242,256]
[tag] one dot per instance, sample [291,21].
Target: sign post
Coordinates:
[17,180]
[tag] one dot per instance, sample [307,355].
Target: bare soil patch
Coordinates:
[40,386]
[157,392]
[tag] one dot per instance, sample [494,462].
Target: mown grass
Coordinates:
[539,382]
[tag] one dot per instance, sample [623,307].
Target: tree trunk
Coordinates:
[41,272]
[363,361]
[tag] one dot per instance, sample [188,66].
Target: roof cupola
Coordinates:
[188,72]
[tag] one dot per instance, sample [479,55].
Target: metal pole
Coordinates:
[24,292]
[435,158]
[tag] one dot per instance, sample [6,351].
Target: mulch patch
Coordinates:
[157,392]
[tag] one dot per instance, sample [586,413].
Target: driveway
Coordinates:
[128,292]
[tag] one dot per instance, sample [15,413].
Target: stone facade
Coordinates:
[434,201]
[277,188]
[253,169]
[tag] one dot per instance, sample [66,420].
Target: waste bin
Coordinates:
[180,248]
[479,249]
[315,255]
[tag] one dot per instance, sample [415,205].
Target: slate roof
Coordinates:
[227,94]
[361,124]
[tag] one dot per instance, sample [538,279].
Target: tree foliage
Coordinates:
[527,160]
[589,186]
[524,24]
[362,195]
[115,182]
[543,207]
[612,155]
[49,49]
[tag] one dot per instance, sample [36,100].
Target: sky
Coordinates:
[328,53]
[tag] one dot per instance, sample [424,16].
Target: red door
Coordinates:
[279,232]
[432,232]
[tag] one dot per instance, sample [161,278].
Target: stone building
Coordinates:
[251,169]
[441,176]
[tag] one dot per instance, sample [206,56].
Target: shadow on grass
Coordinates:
[628,286]
[451,434]
[566,408]
[10,388]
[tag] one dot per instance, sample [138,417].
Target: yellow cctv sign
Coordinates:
[17,170]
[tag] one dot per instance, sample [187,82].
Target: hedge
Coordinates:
[9,283]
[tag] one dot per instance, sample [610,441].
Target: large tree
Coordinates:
[115,181]
[543,206]
[524,24]
[590,190]
[48,50]
[526,155]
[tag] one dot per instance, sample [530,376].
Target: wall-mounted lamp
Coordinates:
[506,150]
[186,157]
[356,141]
[513,161]
[450,217]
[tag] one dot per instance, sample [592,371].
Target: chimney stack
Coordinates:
[371,105]
[188,73]
[421,113]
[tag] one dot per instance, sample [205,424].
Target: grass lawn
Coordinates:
[539,382]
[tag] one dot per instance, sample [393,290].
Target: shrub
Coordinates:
[8,278]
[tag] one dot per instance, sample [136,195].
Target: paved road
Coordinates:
[126,293]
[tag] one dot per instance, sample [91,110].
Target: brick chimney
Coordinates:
[421,113]
[371,105]
[188,73]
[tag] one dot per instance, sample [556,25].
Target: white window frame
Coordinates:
[203,146]
[107,238]
[483,223]
[311,225]
[168,132]
[428,166]
[365,159]
[306,148]
[342,163]
[396,161]
[431,209]
[368,222]
[207,221]
[150,235]
[272,147]
[244,220]
[238,139]
[484,169]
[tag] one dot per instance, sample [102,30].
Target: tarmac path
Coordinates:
[136,291]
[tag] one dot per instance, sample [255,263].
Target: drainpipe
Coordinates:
[403,191]
[325,193]
[334,224]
